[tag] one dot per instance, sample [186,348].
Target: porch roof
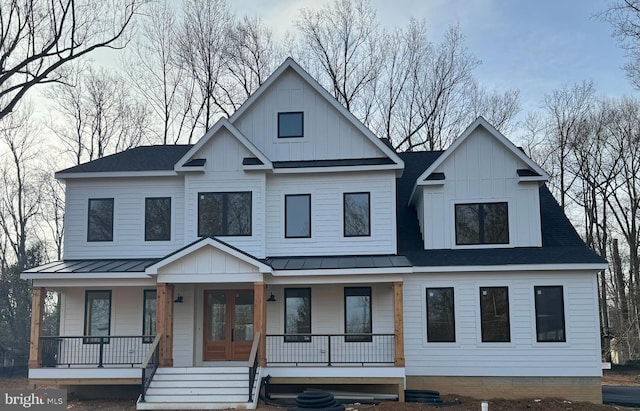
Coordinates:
[113,265]
[338,262]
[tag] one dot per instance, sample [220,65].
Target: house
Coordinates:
[292,242]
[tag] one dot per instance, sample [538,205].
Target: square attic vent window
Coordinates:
[291,124]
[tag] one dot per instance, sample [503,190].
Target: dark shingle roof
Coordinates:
[561,244]
[334,163]
[337,262]
[144,158]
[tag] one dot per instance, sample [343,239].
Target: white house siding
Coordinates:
[327,222]
[523,356]
[128,221]
[224,173]
[126,320]
[327,133]
[327,317]
[481,170]
[184,326]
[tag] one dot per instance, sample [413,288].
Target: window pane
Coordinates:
[486,223]
[494,307]
[100,225]
[467,224]
[238,212]
[157,219]
[357,310]
[441,326]
[297,215]
[290,124]
[297,314]
[97,313]
[210,207]
[149,314]
[550,314]
[496,223]
[221,214]
[356,214]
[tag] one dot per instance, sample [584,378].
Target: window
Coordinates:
[357,217]
[550,314]
[97,315]
[157,219]
[221,214]
[100,224]
[441,324]
[291,124]
[486,223]
[357,314]
[494,314]
[297,210]
[149,315]
[297,314]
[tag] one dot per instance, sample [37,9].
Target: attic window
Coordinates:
[291,124]
[482,223]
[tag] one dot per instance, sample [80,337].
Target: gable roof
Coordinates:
[290,64]
[181,164]
[208,242]
[536,172]
[159,159]
[561,244]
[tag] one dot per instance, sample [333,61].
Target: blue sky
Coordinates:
[533,46]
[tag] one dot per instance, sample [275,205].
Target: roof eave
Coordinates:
[114,174]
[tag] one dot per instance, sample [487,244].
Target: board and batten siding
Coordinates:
[128,217]
[481,170]
[327,133]
[327,220]
[523,356]
[224,173]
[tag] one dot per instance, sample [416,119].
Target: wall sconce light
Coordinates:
[179,299]
[271,298]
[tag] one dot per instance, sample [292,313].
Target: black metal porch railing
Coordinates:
[94,351]
[330,349]
[253,364]
[150,366]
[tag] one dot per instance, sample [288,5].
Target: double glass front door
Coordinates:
[228,325]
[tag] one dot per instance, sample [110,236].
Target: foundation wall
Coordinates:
[587,389]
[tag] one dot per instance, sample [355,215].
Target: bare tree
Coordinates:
[38,37]
[339,43]
[104,115]
[624,16]
[204,38]
[567,109]
[160,76]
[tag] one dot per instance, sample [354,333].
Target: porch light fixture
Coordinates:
[271,298]
[179,299]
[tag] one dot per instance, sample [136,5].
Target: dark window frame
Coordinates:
[225,205]
[286,235]
[355,292]
[485,334]
[481,223]
[563,314]
[430,338]
[90,339]
[285,113]
[297,338]
[146,222]
[344,214]
[148,339]
[112,201]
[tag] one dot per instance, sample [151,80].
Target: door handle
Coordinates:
[233,335]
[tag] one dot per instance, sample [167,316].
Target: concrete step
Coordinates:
[199,391]
[196,398]
[194,406]
[199,383]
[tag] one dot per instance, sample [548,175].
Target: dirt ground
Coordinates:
[622,376]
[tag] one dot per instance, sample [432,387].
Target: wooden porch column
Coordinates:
[164,323]
[37,312]
[398,323]
[260,320]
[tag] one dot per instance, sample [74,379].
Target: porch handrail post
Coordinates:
[101,353]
